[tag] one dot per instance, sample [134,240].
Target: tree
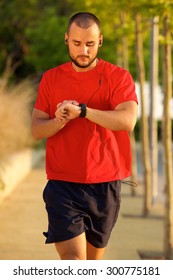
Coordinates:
[144,119]
[167,137]
[153,139]
[124,60]
[49,50]
[27,33]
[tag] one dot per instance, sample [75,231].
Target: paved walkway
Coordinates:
[23,219]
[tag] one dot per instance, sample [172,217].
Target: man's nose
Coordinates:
[84,49]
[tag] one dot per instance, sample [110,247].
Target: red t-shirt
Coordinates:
[83,151]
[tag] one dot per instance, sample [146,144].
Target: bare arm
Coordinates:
[122,118]
[43,126]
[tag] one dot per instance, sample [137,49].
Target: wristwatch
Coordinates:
[83,110]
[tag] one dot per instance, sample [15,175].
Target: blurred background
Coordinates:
[138,37]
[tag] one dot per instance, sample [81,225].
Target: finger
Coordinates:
[74,102]
[58,105]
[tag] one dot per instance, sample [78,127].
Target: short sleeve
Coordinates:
[123,88]
[43,98]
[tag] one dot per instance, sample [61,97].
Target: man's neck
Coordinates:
[85,69]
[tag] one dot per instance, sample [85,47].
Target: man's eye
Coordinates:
[77,44]
[91,44]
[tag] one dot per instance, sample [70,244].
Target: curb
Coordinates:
[16,167]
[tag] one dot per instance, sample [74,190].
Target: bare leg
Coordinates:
[72,249]
[94,253]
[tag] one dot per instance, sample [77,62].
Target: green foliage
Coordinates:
[46,41]
[23,23]
[34,30]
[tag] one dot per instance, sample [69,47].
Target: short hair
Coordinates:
[83,20]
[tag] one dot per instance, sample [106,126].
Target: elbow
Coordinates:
[132,118]
[35,135]
[130,129]
[131,121]
[131,125]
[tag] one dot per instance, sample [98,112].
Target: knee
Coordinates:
[70,253]
[72,249]
[72,256]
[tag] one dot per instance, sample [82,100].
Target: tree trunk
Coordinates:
[134,176]
[167,140]
[153,102]
[125,64]
[144,119]
[125,60]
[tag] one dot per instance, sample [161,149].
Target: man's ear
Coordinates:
[100,40]
[66,38]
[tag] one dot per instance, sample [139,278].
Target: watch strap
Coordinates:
[83,110]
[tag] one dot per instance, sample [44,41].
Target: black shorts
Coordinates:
[75,208]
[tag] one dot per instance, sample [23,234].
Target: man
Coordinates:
[85,108]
